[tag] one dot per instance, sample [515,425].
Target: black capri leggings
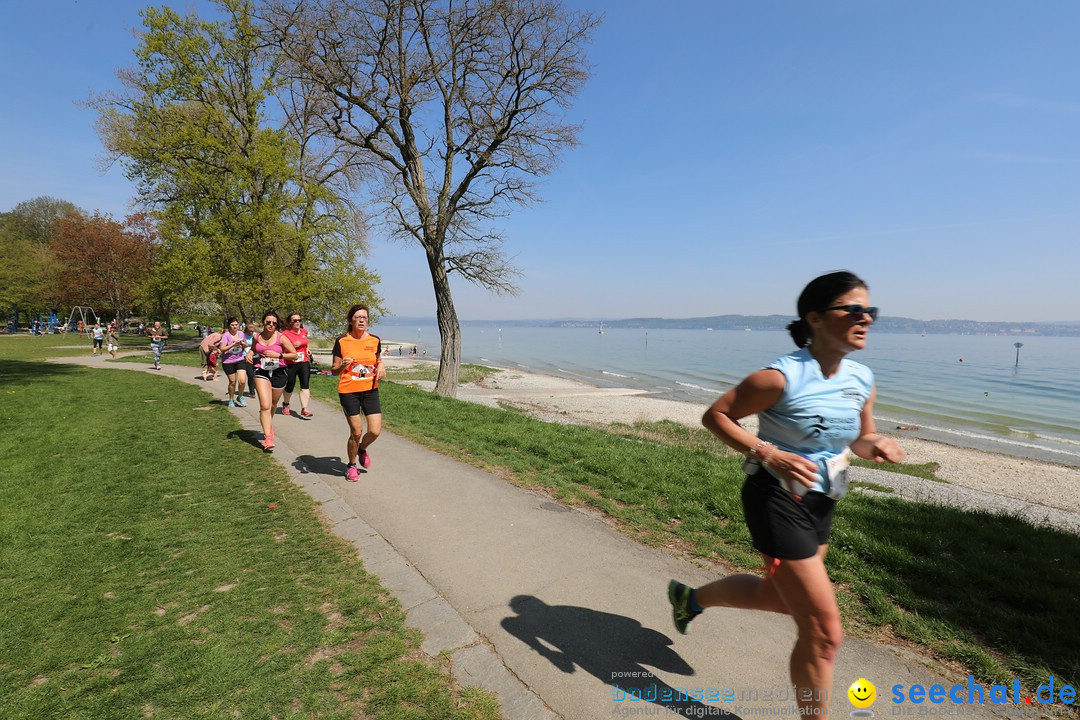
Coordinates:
[301,370]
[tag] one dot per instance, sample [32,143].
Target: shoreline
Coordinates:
[1028,481]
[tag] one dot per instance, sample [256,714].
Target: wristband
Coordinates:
[755,452]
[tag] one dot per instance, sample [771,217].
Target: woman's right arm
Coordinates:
[757,393]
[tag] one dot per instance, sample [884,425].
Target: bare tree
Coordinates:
[457,108]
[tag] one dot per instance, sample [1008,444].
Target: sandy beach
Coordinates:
[1038,490]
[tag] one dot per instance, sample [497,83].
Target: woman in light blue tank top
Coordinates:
[814,407]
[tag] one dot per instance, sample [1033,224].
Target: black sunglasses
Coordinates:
[857,311]
[269,322]
[296,320]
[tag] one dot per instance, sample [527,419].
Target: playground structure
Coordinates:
[83,324]
[40,324]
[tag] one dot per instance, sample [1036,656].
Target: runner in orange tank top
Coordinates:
[357,363]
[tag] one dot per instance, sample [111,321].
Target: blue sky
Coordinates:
[732,151]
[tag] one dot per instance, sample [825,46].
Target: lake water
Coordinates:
[962,389]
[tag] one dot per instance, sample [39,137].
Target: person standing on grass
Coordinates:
[814,406]
[300,368]
[233,347]
[270,349]
[357,362]
[112,339]
[158,335]
[207,346]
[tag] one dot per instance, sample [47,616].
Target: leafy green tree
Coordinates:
[36,220]
[241,218]
[452,109]
[27,275]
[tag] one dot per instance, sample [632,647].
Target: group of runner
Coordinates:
[101,335]
[278,358]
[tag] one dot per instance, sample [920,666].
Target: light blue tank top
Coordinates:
[817,417]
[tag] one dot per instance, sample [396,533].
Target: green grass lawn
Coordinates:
[156,564]
[990,592]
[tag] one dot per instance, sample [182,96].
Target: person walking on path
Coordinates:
[207,346]
[269,351]
[251,330]
[233,347]
[99,338]
[158,336]
[357,362]
[300,368]
[814,406]
[112,339]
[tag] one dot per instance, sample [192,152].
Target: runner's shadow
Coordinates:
[614,648]
[251,437]
[321,465]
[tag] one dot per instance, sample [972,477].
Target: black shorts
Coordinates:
[366,402]
[277,377]
[98,342]
[781,526]
[301,370]
[232,367]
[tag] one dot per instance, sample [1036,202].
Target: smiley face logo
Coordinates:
[862,693]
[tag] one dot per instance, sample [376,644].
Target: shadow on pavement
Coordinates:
[613,648]
[251,437]
[321,465]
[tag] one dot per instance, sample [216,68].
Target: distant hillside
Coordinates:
[779,322]
[884,324]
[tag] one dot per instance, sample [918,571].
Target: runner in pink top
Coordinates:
[233,346]
[269,352]
[298,336]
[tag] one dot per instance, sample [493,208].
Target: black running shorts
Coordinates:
[781,526]
[366,402]
[277,377]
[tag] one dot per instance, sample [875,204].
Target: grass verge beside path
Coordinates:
[991,593]
[156,564]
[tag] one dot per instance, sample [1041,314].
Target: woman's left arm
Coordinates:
[870,445]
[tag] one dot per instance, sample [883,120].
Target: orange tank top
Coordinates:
[360,376]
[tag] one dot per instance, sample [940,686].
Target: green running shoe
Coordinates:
[679,597]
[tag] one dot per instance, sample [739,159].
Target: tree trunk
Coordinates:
[449,328]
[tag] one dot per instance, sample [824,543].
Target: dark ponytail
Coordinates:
[818,295]
[800,332]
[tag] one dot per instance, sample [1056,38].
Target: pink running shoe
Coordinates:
[352,474]
[365,459]
[268,441]
[285,409]
[306,413]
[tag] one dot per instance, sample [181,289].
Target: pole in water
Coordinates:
[1018,346]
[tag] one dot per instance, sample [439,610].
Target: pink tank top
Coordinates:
[275,346]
